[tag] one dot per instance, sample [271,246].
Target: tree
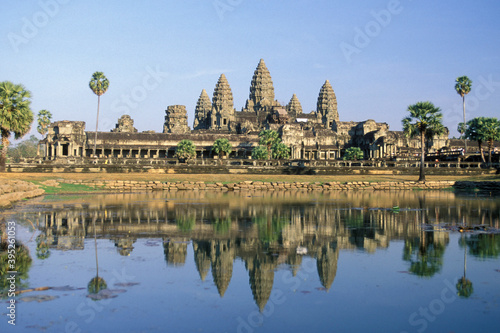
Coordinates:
[24,149]
[353,153]
[474,132]
[463,86]
[44,120]
[15,115]
[461,128]
[490,131]
[268,138]
[280,150]
[260,153]
[424,120]
[98,84]
[222,147]
[185,150]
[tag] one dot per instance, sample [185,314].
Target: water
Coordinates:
[260,262]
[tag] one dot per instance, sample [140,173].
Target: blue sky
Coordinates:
[380,55]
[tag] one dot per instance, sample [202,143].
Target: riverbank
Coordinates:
[16,190]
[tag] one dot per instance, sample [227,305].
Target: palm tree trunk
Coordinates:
[422,157]
[490,148]
[465,139]
[96,124]
[480,145]
[5,148]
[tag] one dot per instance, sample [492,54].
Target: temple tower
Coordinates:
[261,87]
[326,109]
[202,111]
[294,108]
[222,113]
[176,120]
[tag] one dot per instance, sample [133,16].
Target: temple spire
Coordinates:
[202,111]
[222,114]
[326,109]
[262,84]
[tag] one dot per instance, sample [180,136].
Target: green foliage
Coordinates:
[185,150]
[280,150]
[268,138]
[186,223]
[425,254]
[44,120]
[483,246]
[353,153]
[461,128]
[24,149]
[222,147]
[260,153]
[269,228]
[463,85]
[222,226]
[95,285]
[464,287]
[22,265]
[482,129]
[42,247]
[99,84]
[424,120]
[15,114]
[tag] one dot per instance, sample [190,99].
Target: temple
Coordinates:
[317,135]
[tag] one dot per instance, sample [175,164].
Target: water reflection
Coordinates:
[266,230]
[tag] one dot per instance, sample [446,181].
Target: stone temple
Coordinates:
[315,135]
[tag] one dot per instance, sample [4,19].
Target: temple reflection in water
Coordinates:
[266,230]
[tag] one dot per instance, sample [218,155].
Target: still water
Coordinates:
[259,262]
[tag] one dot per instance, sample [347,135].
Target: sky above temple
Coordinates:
[379,55]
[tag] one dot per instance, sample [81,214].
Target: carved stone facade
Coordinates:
[318,134]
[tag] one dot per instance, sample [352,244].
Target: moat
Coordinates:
[204,261]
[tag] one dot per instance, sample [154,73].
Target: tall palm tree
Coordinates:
[463,86]
[98,84]
[426,122]
[15,115]
[44,120]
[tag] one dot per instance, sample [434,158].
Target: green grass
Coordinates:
[67,188]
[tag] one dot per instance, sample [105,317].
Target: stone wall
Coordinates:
[129,185]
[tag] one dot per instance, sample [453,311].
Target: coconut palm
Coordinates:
[44,120]
[98,84]
[15,115]
[463,86]
[424,120]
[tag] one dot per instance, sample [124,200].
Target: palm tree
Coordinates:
[98,84]
[427,123]
[490,131]
[474,132]
[268,138]
[44,120]
[463,86]
[222,147]
[15,115]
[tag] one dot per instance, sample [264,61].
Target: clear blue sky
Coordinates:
[379,55]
